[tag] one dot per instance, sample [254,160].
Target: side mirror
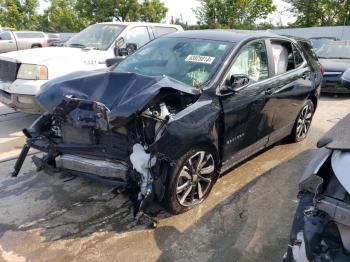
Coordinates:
[119,43]
[237,82]
[113,61]
[128,50]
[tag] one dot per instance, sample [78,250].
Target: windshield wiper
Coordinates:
[335,57]
[77,45]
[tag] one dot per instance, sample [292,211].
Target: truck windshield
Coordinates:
[191,61]
[98,36]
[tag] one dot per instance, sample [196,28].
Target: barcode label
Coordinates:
[200,59]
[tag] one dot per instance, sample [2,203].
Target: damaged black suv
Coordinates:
[183,109]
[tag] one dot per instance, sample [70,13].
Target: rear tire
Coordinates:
[303,122]
[190,180]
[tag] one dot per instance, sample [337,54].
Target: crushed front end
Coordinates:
[109,143]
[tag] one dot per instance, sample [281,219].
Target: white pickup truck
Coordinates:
[22,73]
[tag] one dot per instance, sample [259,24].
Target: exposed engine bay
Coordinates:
[79,136]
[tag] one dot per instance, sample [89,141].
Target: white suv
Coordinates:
[22,73]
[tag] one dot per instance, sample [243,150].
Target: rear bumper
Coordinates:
[22,103]
[334,85]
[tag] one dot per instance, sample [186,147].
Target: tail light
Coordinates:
[322,70]
[49,42]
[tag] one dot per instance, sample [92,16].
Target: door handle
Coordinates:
[306,75]
[269,91]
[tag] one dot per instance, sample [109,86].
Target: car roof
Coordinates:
[339,42]
[141,23]
[28,32]
[225,35]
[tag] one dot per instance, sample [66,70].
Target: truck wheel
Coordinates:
[303,122]
[36,46]
[190,180]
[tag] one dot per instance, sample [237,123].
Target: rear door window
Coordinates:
[138,35]
[283,56]
[159,31]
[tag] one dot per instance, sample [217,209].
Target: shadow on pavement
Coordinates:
[252,224]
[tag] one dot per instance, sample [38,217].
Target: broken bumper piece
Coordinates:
[105,172]
[106,169]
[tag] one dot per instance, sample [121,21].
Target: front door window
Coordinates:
[252,61]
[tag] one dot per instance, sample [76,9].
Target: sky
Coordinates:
[184,8]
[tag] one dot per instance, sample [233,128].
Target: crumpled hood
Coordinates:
[335,65]
[44,56]
[124,94]
[340,165]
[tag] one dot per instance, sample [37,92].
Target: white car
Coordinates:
[23,73]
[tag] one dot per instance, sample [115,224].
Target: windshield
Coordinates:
[319,42]
[98,36]
[191,61]
[339,51]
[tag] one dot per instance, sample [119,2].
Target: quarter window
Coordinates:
[252,61]
[138,35]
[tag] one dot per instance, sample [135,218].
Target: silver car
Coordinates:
[19,40]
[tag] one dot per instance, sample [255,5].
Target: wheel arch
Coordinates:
[36,45]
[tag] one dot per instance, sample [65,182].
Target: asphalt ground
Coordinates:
[247,216]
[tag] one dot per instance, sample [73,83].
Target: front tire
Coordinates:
[190,180]
[303,122]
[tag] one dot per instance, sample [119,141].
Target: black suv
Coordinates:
[183,109]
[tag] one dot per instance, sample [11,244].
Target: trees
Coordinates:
[19,14]
[127,10]
[239,14]
[95,11]
[123,10]
[152,11]
[61,17]
[320,13]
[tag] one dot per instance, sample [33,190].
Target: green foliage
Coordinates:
[61,17]
[96,11]
[127,10]
[153,11]
[19,14]
[320,13]
[74,15]
[238,14]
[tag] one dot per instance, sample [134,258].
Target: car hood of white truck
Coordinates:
[61,60]
[44,56]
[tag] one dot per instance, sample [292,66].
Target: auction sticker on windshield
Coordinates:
[200,59]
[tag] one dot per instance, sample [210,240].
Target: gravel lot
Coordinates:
[247,217]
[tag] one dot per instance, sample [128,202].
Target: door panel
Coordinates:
[248,120]
[290,93]
[7,43]
[247,113]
